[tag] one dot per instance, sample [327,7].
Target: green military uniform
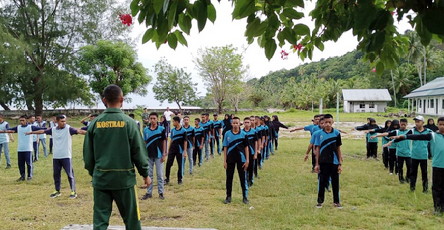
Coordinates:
[113,146]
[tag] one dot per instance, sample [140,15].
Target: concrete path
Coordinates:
[89,227]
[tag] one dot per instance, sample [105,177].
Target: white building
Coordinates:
[365,100]
[428,99]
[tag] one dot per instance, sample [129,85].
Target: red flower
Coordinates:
[126,19]
[298,47]
[284,55]
[374,70]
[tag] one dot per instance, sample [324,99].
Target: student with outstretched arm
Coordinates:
[437,148]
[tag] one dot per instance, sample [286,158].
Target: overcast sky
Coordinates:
[223,32]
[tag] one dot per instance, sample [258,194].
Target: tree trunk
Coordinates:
[425,66]
[418,68]
[5,106]
[38,102]
[219,107]
[180,107]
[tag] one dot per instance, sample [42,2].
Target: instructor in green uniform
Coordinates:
[113,146]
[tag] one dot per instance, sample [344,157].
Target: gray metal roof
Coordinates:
[366,95]
[433,88]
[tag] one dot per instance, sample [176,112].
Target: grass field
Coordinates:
[283,198]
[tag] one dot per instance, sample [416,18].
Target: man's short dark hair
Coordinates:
[154,114]
[96,115]
[197,119]
[317,115]
[326,116]
[186,117]
[23,116]
[440,119]
[60,117]
[131,115]
[176,119]
[38,115]
[112,93]
[29,117]
[203,114]
[403,120]
[247,118]
[236,118]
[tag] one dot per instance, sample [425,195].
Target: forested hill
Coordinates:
[303,86]
[342,67]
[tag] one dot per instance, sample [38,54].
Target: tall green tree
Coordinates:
[51,33]
[220,68]
[173,84]
[110,62]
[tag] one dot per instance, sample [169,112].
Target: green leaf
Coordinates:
[211,13]
[422,31]
[172,40]
[380,68]
[291,13]
[172,15]
[433,19]
[165,5]
[255,28]
[148,35]
[293,3]
[185,23]
[202,14]
[319,44]
[134,6]
[142,15]
[157,5]
[289,35]
[301,29]
[243,8]
[270,48]
[181,38]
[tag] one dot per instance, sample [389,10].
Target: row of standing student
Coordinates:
[246,148]
[412,148]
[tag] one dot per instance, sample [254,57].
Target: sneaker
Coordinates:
[227,200]
[8,166]
[245,201]
[319,205]
[20,179]
[391,174]
[29,178]
[180,182]
[166,181]
[55,194]
[161,196]
[338,205]
[147,196]
[73,195]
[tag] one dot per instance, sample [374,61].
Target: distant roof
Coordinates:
[433,88]
[366,95]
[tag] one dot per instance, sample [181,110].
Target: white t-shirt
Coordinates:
[168,115]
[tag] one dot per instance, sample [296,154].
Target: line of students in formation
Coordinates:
[245,148]
[411,147]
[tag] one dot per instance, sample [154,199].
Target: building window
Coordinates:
[442,104]
[420,103]
[362,106]
[432,103]
[371,106]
